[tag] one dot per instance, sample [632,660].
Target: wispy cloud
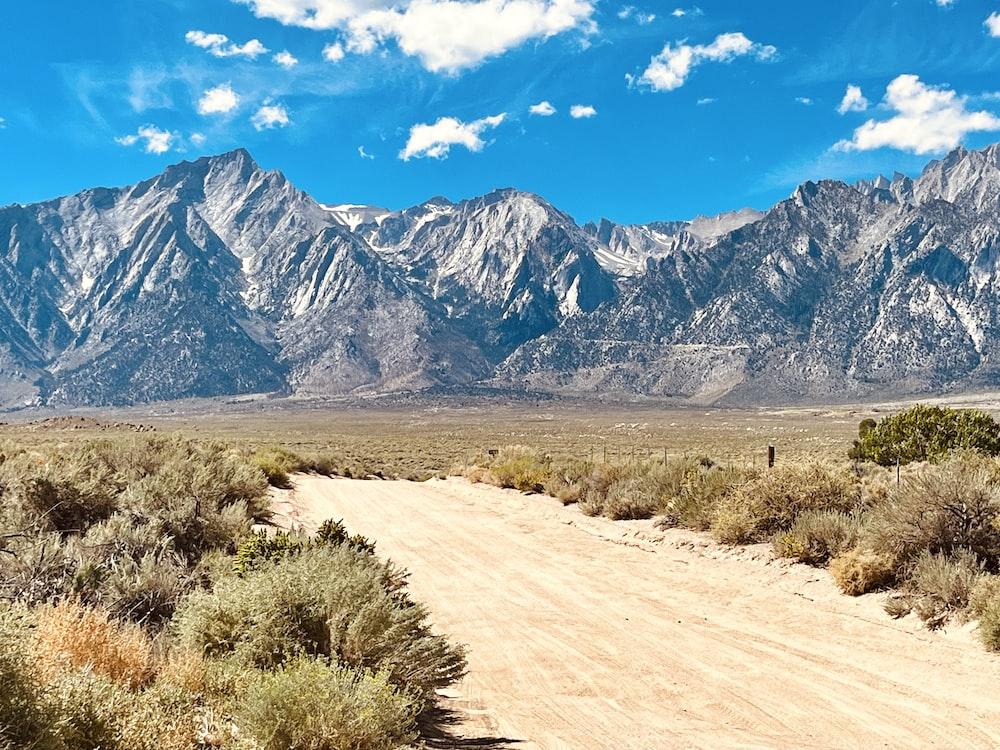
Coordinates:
[364,154]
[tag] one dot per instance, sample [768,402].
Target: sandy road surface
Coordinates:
[583,633]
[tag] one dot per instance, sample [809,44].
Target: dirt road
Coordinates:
[584,633]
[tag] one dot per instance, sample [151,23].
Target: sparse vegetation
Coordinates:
[144,613]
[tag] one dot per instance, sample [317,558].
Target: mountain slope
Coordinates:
[217,277]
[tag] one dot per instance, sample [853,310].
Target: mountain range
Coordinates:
[218,278]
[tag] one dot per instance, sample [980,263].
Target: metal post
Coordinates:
[770,456]
[897,469]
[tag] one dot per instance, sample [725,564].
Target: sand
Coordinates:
[585,633]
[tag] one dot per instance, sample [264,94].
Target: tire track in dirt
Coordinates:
[584,633]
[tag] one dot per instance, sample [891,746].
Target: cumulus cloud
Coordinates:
[286,59]
[928,119]
[333,52]
[853,101]
[270,116]
[582,111]
[198,139]
[544,108]
[364,154]
[435,140]
[445,35]
[992,24]
[670,69]
[219,45]
[153,139]
[218,100]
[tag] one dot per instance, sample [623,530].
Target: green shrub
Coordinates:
[938,587]
[261,548]
[770,502]
[310,704]
[818,535]
[326,601]
[927,433]
[860,571]
[944,509]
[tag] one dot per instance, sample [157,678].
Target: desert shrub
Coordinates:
[944,509]
[277,464]
[927,433]
[937,587]
[770,502]
[701,493]
[861,571]
[308,703]
[818,535]
[520,468]
[326,601]
[637,491]
[985,605]
[261,548]
[68,635]
[22,724]
[567,481]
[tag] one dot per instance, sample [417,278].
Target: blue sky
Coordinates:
[683,108]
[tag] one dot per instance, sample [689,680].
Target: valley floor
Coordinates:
[585,633]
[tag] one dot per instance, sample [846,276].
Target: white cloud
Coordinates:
[198,139]
[219,45]
[286,59]
[437,139]
[364,154]
[3,123]
[270,116]
[446,35]
[582,111]
[543,108]
[853,101]
[681,12]
[805,100]
[992,24]
[630,11]
[706,100]
[218,100]
[928,119]
[333,52]
[670,69]
[153,139]
[944,3]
